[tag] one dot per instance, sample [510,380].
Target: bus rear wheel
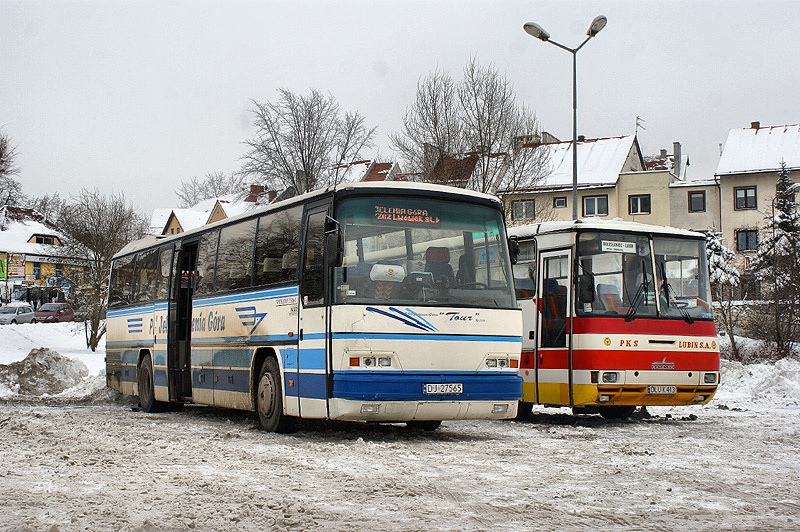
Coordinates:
[424,425]
[144,378]
[616,412]
[269,400]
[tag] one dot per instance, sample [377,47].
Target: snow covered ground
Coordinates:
[74,456]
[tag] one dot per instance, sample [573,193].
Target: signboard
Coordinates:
[618,247]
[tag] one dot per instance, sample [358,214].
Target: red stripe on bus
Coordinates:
[588,359]
[606,326]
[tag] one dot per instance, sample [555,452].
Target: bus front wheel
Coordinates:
[269,399]
[616,412]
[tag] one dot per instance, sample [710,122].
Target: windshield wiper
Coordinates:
[639,296]
[669,290]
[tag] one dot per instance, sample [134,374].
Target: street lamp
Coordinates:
[534,30]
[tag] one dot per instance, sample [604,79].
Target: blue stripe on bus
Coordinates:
[308,385]
[426,337]
[361,386]
[241,297]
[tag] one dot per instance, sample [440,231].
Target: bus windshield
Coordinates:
[407,250]
[634,275]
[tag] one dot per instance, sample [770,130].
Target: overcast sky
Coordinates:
[136,97]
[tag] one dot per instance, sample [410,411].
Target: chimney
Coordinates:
[255,192]
[663,153]
[678,160]
[755,125]
[581,138]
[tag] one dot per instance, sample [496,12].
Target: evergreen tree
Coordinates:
[776,265]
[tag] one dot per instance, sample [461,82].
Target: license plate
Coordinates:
[443,388]
[662,389]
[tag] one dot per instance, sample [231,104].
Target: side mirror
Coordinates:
[513,250]
[586,288]
[333,243]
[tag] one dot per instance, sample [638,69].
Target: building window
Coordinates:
[697,201]
[43,239]
[523,210]
[639,204]
[744,198]
[747,239]
[595,205]
[559,202]
[37,270]
[59,270]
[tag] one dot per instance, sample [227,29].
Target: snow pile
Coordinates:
[42,373]
[767,385]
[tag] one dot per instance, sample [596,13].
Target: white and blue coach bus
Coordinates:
[376,302]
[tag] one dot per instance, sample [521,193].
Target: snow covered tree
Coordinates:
[776,266]
[10,189]
[477,119]
[213,185]
[304,142]
[96,228]
[724,277]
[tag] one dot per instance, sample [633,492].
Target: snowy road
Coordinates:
[103,465]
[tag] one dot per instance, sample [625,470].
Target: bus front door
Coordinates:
[307,392]
[553,365]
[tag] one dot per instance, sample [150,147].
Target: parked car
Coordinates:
[17,313]
[54,313]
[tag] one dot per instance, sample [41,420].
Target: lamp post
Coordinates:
[534,30]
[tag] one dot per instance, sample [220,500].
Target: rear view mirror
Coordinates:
[333,242]
[586,288]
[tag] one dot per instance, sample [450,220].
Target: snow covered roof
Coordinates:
[17,226]
[190,218]
[600,161]
[158,220]
[355,171]
[760,149]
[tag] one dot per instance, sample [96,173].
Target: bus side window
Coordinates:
[312,285]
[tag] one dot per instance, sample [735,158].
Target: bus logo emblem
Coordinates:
[663,364]
[249,317]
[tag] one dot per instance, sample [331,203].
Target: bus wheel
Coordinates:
[269,399]
[616,412]
[144,377]
[424,425]
[524,411]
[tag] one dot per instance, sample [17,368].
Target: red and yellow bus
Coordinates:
[616,315]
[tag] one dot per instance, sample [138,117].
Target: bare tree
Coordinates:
[431,125]
[96,227]
[303,141]
[48,206]
[475,126]
[10,189]
[213,185]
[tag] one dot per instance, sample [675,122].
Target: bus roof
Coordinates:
[343,188]
[617,224]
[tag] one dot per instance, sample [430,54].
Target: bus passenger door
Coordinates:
[307,394]
[180,322]
[553,367]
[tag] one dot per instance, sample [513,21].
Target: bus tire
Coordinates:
[524,411]
[427,425]
[144,378]
[616,412]
[269,399]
